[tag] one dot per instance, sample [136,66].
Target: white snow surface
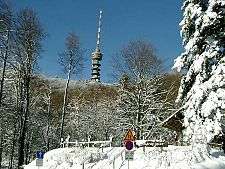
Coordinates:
[172,157]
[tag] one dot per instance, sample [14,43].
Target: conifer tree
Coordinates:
[202,63]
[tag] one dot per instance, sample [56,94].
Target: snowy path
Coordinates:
[116,152]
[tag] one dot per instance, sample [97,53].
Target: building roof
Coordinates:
[175,121]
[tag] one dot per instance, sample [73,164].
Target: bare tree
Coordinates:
[137,59]
[144,105]
[29,34]
[49,97]
[72,62]
[6,24]
[5,28]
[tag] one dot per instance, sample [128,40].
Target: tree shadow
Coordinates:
[217,154]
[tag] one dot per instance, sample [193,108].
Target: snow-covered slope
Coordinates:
[60,83]
[171,157]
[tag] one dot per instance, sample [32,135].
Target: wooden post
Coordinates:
[110,139]
[89,141]
[114,163]
[61,143]
[144,149]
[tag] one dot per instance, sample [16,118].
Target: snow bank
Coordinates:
[172,157]
[67,158]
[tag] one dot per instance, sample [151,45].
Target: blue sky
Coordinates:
[123,20]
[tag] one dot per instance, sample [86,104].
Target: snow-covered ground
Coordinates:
[172,157]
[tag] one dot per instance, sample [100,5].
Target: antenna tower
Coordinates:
[97,55]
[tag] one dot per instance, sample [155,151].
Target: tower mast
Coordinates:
[97,55]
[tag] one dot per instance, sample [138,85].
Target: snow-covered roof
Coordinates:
[174,122]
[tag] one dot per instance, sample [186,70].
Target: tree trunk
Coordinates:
[22,137]
[49,111]
[13,148]
[3,69]
[64,104]
[138,118]
[19,119]
[1,148]
[27,147]
[1,92]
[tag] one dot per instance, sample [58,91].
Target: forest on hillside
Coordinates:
[97,111]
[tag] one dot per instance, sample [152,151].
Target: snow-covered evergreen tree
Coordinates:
[202,89]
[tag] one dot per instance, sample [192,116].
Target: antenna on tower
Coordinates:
[97,55]
[99,31]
